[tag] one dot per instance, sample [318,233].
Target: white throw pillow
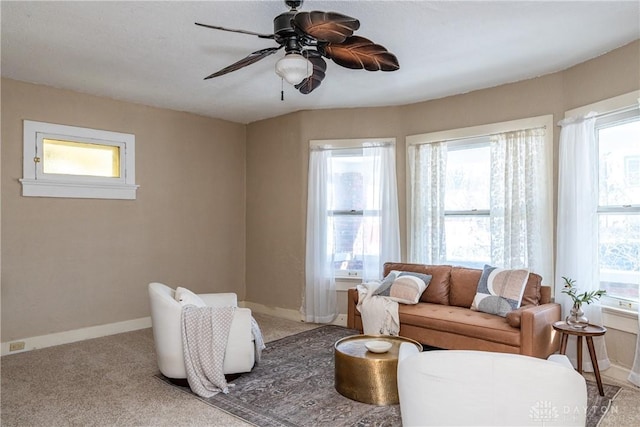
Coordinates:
[407,289]
[185,297]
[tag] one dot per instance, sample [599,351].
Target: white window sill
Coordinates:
[45,188]
[345,283]
[620,319]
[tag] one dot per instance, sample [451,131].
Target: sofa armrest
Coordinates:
[352,311]
[537,337]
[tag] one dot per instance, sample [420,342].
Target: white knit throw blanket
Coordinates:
[379,314]
[205,331]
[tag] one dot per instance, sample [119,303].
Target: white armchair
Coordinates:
[456,387]
[166,315]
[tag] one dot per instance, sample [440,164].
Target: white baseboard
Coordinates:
[59,338]
[341,320]
[616,372]
[82,334]
[286,313]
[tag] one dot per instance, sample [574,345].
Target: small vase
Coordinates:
[576,318]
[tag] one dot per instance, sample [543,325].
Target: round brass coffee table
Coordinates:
[365,376]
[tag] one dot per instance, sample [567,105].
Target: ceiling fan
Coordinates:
[307,37]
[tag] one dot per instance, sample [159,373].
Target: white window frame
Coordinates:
[611,105]
[36,183]
[347,274]
[467,144]
[349,144]
[468,134]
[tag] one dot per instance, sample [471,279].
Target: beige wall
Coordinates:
[275,275]
[277,159]
[74,263]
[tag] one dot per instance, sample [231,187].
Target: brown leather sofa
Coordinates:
[443,317]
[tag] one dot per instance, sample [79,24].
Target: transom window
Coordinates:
[63,157]
[69,161]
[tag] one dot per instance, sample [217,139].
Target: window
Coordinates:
[632,171]
[618,139]
[354,226]
[67,161]
[482,195]
[63,157]
[358,190]
[466,203]
[347,224]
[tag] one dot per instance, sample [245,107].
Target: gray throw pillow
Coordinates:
[385,287]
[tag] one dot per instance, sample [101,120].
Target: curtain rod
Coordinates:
[484,135]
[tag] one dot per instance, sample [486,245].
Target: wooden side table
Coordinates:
[589,332]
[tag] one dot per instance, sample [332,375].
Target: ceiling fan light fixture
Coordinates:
[294,68]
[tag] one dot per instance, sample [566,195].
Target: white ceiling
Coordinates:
[152,53]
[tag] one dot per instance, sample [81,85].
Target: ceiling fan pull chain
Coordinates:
[281,88]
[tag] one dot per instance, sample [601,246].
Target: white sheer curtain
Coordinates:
[379,235]
[577,225]
[520,214]
[319,305]
[382,210]
[427,179]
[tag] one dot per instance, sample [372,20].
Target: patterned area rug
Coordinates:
[599,405]
[293,386]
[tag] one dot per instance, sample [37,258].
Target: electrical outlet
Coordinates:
[15,346]
[625,304]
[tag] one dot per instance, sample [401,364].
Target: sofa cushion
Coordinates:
[464,285]
[461,321]
[500,290]
[438,290]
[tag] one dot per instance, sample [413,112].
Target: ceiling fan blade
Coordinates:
[329,27]
[250,59]
[215,27]
[360,53]
[313,81]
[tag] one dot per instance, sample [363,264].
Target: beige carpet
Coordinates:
[110,382]
[107,381]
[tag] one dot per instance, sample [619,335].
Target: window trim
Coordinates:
[471,135]
[37,184]
[610,106]
[468,145]
[349,147]
[41,174]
